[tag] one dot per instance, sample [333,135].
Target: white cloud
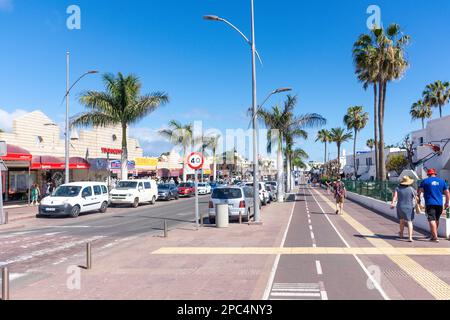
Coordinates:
[6,118]
[150,141]
[6,5]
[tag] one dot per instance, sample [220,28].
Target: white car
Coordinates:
[134,192]
[263,193]
[204,188]
[75,198]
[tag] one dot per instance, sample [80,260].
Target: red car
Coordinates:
[186,189]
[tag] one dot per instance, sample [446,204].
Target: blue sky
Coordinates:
[205,66]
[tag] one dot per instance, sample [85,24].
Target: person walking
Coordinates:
[339,196]
[433,190]
[35,194]
[404,199]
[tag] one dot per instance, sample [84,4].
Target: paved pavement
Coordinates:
[303,251]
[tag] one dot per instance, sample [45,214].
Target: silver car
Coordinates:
[239,200]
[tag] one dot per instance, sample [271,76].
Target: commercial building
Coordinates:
[36,151]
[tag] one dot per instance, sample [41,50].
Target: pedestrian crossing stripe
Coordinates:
[438,288]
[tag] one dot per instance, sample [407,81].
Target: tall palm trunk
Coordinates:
[375,120]
[184,165]
[214,165]
[288,173]
[339,158]
[124,158]
[423,123]
[381,163]
[280,172]
[325,158]
[440,111]
[354,155]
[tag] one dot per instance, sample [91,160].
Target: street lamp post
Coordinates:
[67,129]
[252,43]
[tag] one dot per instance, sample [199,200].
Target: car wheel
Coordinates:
[135,203]
[75,212]
[104,207]
[153,201]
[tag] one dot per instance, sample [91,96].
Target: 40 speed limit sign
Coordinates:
[195,161]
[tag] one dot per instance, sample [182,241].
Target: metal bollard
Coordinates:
[88,256]
[5,284]
[202,220]
[166,229]
[6,217]
[240,217]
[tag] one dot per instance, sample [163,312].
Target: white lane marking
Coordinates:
[312,235]
[311,228]
[314,245]
[323,292]
[319,268]
[295,290]
[49,251]
[287,294]
[369,275]
[71,227]
[277,259]
[52,234]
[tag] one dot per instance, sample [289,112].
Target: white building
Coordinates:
[365,162]
[437,133]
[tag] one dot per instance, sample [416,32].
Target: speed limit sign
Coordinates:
[195,161]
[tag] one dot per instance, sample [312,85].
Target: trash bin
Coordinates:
[222,217]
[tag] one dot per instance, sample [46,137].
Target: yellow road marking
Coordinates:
[438,288]
[391,251]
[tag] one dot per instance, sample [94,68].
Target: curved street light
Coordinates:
[66,97]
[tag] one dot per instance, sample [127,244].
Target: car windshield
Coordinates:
[67,191]
[127,185]
[185,185]
[227,193]
[164,186]
[202,184]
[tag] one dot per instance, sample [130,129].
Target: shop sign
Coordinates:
[146,162]
[111,151]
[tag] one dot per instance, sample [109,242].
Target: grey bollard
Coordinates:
[88,256]
[166,229]
[5,284]
[222,216]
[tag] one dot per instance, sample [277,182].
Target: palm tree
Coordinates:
[324,137]
[370,144]
[181,136]
[298,158]
[339,136]
[380,58]
[356,119]
[285,122]
[437,95]
[121,104]
[290,137]
[213,144]
[422,111]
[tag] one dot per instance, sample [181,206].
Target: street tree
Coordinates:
[356,119]
[437,95]
[421,110]
[120,104]
[340,136]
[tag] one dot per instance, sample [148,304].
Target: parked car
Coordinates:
[272,192]
[239,201]
[168,192]
[263,194]
[204,188]
[134,192]
[186,189]
[75,198]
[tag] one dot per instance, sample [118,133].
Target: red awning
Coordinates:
[54,163]
[16,153]
[78,163]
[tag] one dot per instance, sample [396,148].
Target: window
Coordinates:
[114,138]
[226,194]
[421,140]
[97,190]
[141,185]
[148,185]
[87,192]
[105,191]
[369,162]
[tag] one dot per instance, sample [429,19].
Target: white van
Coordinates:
[134,192]
[75,198]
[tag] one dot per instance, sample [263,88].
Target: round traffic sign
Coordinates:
[195,161]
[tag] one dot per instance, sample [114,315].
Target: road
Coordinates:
[355,275]
[53,241]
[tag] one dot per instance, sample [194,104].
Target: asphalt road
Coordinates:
[52,241]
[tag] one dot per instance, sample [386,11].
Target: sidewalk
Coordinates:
[167,276]
[20,213]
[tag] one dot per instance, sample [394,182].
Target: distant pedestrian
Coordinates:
[405,198]
[339,195]
[433,190]
[35,194]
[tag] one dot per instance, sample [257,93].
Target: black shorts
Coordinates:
[434,212]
